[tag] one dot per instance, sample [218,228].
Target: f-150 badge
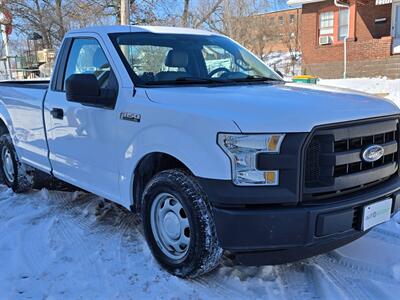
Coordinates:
[130,117]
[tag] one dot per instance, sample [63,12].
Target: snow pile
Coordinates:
[282,61]
[389,88]
[57,245]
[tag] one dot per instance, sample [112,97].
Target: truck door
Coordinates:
[81,137]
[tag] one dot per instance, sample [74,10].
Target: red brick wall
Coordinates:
[365,36]
[356,50]
[272,19]
[366,28]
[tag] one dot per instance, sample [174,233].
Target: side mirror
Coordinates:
[85,89]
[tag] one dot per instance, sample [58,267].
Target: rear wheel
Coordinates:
[179,226]
[14,173]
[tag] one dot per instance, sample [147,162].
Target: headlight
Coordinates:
[243,149]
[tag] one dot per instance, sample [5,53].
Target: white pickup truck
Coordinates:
[213,149]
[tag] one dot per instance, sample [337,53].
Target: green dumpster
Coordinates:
[305,79]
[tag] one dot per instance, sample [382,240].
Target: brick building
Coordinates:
[280,28]
[373,44]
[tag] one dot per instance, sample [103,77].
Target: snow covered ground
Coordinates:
[389,88]
[58,245]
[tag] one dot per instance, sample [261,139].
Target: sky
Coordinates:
[278,4]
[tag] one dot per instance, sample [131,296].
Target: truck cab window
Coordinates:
[87,57]
[216,57]
[152,62]
[154,59]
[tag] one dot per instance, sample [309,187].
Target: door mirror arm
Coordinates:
[279,73]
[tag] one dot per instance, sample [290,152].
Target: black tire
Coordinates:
[23,176]
[203,253]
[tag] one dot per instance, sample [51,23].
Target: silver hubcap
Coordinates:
[170,226]
[8,165]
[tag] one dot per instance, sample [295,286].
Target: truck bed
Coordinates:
[29,84]
[23,102]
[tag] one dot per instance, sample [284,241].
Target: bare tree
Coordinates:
[235,18]
[230,17]
[53,18]
[207,13]
[290,36]
[44,17]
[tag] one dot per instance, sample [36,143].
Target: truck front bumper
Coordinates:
[275,234]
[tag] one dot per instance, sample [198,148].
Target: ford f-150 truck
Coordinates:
[210,146]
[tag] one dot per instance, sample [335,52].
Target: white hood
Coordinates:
[275,108]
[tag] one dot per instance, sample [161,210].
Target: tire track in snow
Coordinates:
[26,245]
[224,280]
[355,268]
[85,212]
[386,236]
[68,228]
[110,222]
[120,223]
[354,279]
[340,281]
[213,282]
[234,281]
[297,281]
[31,251]
[77,206]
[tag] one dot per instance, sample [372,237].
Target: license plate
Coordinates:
[376,213]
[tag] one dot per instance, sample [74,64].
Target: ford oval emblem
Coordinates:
[373,153]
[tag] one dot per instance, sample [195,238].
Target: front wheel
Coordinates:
[179,226]
[14,173]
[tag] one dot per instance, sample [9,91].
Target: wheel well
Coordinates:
[3,127]
[149,166]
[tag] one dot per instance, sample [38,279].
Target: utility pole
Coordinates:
[185,16]
[125,12]
[345,5]
[7,51]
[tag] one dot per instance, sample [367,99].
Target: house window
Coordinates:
[326,21]
[343,24]
[291,19]
[281,20]
[271,21]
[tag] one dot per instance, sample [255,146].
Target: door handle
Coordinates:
[57,113]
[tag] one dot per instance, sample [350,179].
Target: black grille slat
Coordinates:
[354,155]
[334,155]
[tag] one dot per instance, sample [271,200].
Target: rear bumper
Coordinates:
[289,233]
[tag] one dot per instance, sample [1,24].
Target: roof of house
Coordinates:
[274,12]
[300,2]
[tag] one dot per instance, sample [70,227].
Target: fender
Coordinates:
[177,143]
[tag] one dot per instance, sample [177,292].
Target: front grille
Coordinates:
[358,144]
[334,164]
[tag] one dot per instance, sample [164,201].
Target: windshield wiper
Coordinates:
[187,80]
[198,79]
[252,78]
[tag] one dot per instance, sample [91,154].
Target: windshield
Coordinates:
[165,59]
